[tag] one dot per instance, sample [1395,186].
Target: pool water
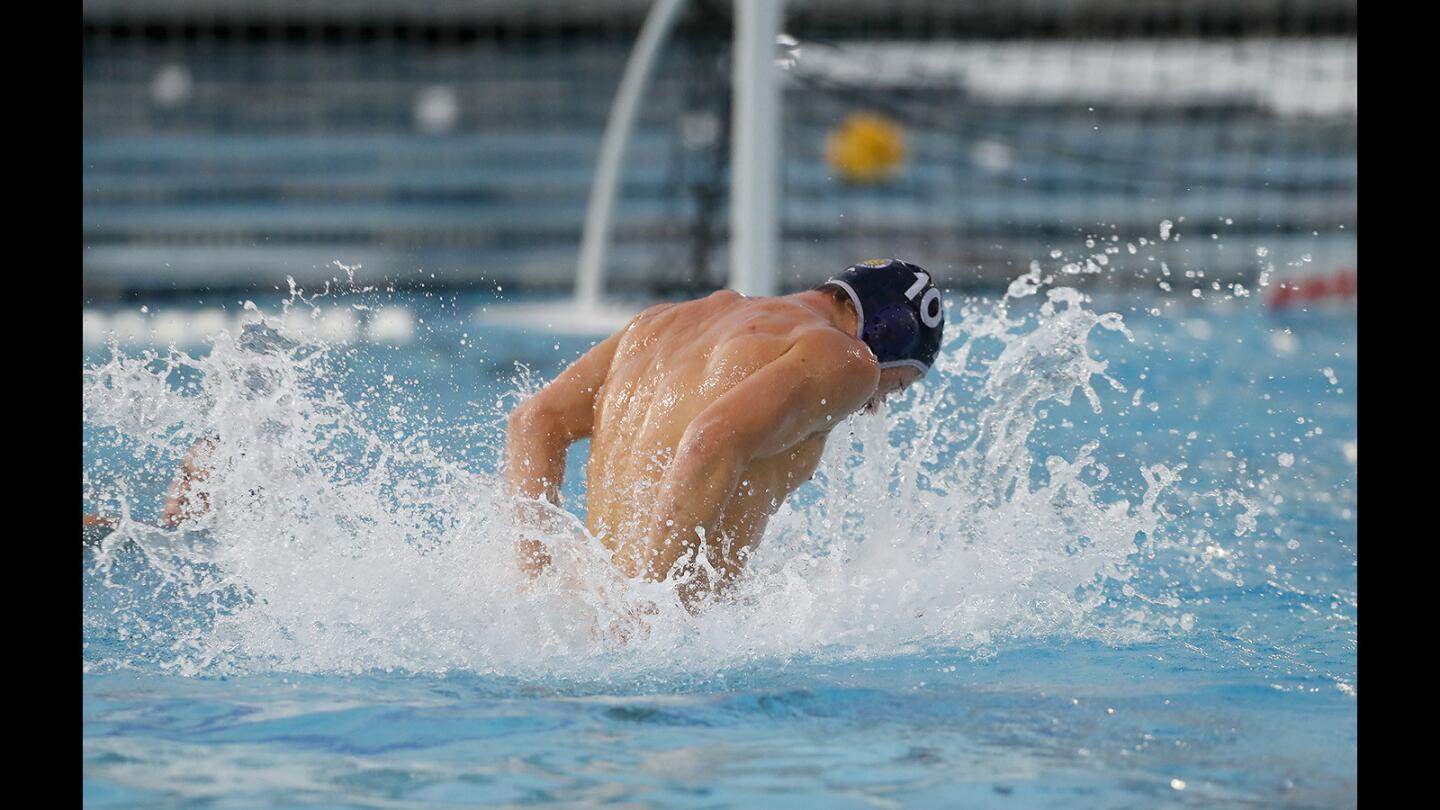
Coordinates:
[1105,557]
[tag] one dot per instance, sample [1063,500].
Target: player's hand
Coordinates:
[532,557]
[181,502]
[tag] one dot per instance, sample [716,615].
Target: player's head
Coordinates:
[899,312]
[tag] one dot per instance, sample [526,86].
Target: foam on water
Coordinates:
[342,537]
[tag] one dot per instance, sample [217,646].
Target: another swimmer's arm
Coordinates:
[769,412]
[542,428]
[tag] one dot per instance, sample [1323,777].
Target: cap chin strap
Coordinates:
[916,364]
[860,328]
[859,308]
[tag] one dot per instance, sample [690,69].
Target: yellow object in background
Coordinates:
[865,148]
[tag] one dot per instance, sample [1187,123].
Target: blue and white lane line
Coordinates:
[184,327]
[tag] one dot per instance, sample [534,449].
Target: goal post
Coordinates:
[755,149]
[594,239]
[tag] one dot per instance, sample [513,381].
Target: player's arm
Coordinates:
[820,380]
[541,429]
[181,502]
[93,521]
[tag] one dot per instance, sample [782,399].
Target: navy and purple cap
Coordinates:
[902,318]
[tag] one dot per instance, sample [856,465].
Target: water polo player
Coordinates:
[704,416]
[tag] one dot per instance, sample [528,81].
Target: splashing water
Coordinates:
[341,537]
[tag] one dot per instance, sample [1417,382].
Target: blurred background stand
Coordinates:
[229,146]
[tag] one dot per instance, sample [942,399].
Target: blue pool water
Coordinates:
[996,595]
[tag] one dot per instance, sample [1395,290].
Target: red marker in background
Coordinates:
[1341,285]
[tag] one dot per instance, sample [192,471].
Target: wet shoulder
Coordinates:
[833,352]
[699,307]
[662,326]
[768,329]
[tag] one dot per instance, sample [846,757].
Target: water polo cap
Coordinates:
[901,315]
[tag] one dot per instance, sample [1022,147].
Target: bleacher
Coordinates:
[277,166]
[235,162]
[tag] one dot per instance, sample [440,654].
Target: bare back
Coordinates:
[670,364]
[703,417]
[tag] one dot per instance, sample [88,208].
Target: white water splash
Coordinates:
[341,539]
